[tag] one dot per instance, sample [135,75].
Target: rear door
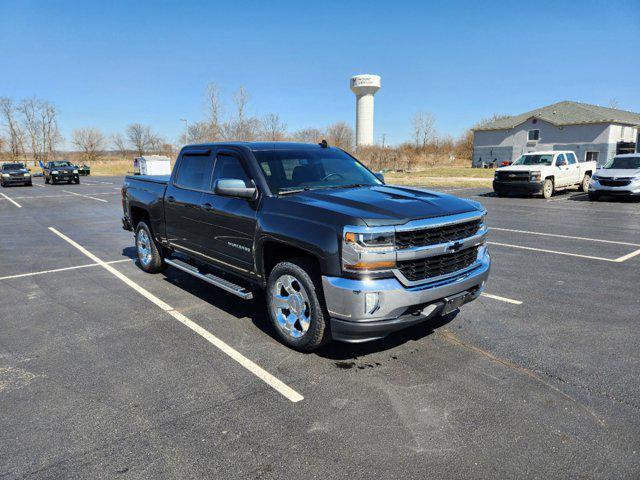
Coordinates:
[574,176]
[230,222]
[183,200]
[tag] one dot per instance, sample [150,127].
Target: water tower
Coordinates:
[365,87]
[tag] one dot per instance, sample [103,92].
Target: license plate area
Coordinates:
[454,302]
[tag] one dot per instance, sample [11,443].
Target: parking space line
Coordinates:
[11,200]
[38,185]
[565,236]
[626,257]
[64,269]
[258,371]
[87,196]
[502,299]
[555,252]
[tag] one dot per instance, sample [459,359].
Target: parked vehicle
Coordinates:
[152,165]
[619,177]
[60,171]
[84,170]
[543,173]
[14,174]
[338,253]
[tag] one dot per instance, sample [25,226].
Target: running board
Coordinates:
[226,285]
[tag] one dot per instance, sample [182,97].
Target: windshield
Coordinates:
[624,163]
[61,164]
[294,170]
[12,166]
[534,160]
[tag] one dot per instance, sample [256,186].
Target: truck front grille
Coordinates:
[623,182]
[513,176]
[431,267]
[435,235]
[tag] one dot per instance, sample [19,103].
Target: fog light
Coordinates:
[371,302]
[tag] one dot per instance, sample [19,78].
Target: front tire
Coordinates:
[547,188]
[584,186]
[150,258]
[296,306]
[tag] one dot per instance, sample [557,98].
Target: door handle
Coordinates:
[171,199]
[207,206]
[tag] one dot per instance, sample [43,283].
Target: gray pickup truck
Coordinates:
[339,254]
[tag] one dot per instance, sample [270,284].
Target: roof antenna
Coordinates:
[324,144]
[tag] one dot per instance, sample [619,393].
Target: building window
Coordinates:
[534,135]
[622,132]
[591,156]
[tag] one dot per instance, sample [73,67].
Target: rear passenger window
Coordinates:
[194,172]
[228,166]
[571,158]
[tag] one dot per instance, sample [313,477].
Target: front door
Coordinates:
[562,171]
[183,202]
[230,221]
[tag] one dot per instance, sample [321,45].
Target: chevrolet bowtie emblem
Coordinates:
[454,247]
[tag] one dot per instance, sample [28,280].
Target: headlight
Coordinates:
[5,175]
[368,249]
[635,180]
[534,176]
[54,172]
[26,174]
[75,171]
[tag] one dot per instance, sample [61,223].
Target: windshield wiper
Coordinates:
[287,191]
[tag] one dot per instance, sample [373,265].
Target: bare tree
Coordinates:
[341,135]
[50,132]
[119,142]
[199,132]
[273,128]
[308,135]
[613,103]
[15,135]
[423,124]
[89,140]
[40,127]
[214,113]
[141,138]
[28,108]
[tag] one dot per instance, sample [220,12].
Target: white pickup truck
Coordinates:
[543,173]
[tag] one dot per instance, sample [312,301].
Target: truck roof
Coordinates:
[256,146]
[548,152]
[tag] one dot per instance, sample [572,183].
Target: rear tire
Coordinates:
[46,180]
[150,258]
[594,197]
[584,186]
[547,188]
[296,305]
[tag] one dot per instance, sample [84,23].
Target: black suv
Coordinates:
[60,171]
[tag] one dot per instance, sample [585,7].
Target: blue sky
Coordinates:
[108,64]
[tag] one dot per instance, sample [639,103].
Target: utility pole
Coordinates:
[186,129]
[384,137]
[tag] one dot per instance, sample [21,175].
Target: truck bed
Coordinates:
[164,179]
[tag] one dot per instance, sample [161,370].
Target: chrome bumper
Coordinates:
[632,188]
[398,306]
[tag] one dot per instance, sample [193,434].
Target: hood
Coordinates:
[16,170]
[64,169]
[520,168]
[617,172]
[384,204]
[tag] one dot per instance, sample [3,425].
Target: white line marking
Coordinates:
[627,256]
[11,200]
[86,196]
[258,371]
[38,185]
[502,299]
[41,272]
[565,236]
[553,251]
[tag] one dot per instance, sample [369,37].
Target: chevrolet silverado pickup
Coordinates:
[337,252]
[543,172]
[619,177]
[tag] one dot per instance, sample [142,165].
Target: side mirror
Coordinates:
[234,187]
[380,176]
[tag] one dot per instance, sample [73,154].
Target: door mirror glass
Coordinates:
[235,187]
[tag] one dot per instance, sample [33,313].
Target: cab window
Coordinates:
[194,172]
[571,158]
[560,160]
[229,166]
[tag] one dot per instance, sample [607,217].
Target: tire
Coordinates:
[298,280]
[584,186]
[547,188]
[150,258]
[2,185]
[77,182]
[46,180]
[30,184]
[594,197]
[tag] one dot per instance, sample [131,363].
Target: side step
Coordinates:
[222,283]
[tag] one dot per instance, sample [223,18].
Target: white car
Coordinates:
[543,172]
[620,177]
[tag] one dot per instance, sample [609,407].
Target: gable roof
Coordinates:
[566,113]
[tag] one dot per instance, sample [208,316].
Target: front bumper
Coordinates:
[16,180]
[633,189]
[530,188]
[65,177]
[399,307]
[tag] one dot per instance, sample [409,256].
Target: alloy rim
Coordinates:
[144,248]
[290,306]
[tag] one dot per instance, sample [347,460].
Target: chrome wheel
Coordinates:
[143,245]
[290,306]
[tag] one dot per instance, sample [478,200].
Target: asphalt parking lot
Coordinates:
[106,371]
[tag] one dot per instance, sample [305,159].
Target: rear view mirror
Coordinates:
[234,187]
[380,176]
